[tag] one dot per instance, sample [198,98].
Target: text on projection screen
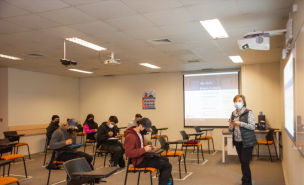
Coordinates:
[208,98]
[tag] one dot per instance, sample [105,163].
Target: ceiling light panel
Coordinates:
[236,59]
[10,57]
[149,65]
[215,28]
[81,71]
[85,43]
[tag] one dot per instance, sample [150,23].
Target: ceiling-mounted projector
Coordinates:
[112,60]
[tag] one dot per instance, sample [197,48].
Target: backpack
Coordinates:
[192,142]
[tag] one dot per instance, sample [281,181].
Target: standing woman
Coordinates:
[90,127]
[242,125]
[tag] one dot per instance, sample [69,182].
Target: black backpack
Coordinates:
[121,162]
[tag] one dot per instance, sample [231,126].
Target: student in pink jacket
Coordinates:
[90,127]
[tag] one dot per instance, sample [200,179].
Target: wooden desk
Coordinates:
[226,134]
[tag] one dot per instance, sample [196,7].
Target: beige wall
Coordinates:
[3,100]
[34,97]
[293,161]
[121,96]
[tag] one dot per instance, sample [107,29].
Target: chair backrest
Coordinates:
[197,129]
[184,135]
[76,165]
[154,130]
[164,145]
[5,149]
[79,128]
[11,133]
[269,136]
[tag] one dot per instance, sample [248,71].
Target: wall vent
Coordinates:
[193,61]
[34,55]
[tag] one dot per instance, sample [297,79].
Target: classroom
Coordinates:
[167,92]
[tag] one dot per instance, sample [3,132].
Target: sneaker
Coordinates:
[111,163]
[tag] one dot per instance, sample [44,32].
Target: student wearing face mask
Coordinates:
[135,147]
[54,125]
[90,127]
[134,122]
[106,130]
[66,135]
[242,125]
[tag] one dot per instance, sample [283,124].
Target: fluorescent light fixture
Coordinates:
[236,59]
[81,71]
[149,65]
[215,28]
[85,43]
[10,57]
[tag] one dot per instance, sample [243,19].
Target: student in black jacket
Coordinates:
[54,125]
[105,131]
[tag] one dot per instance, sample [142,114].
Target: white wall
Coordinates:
[121,96]
[293,161]
[3,100]
[33,99]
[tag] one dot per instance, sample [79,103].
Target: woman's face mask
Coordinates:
[238,105]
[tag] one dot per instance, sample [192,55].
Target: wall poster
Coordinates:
[148,100]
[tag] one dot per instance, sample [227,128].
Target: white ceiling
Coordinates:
[124,26]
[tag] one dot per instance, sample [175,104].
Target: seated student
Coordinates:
[63,136]
[134,122]
[135,147]
[90,127]
[54,125]
[105,131]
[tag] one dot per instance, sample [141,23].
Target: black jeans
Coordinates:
[68,156]
[161,163]
[116,148]
[244,156]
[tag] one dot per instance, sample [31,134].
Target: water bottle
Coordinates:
[169,183]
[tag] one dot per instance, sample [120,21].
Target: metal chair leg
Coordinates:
[185,163]
[258,151]
[275,149]
[197,155]
[213,145]
[138,178]
[24,167]
[151,178]
[85,144]
[4,171]
[269,153]
[9,168]
[104,162]
[208,146]
[179,159]
[49,176]
[94,158]
[44,158]
[202,153]
[28,149]
[126,176]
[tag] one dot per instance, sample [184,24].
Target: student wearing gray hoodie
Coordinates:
[66,135]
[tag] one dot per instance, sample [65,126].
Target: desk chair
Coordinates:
[6,147]
[154,134]
[53,161]
[208,138]
[13,137]
[102,152]
[80,172]
[90,141]
[7,180]
[139,170]
[269,141]
[186,137]
[179,154]
[46,148]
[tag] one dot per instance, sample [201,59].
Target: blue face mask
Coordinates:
[238,105]
[110,126]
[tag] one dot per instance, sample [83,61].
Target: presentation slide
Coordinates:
[289,96]
[208,98]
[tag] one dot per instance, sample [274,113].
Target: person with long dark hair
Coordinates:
[242,125]
[90,127]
